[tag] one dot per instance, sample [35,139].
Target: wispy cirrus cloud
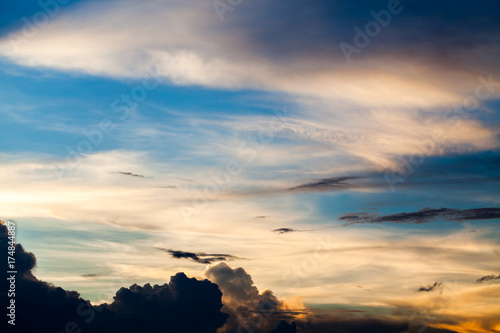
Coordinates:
[343,106]
[325,184]
[129,174]
[189,57]
[91,275]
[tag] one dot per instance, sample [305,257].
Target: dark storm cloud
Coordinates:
[325,184]
[200,257]
[182,305]
[425,215]
[488,278]
[129,174]
[429,288]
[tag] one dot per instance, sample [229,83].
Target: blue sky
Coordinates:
[129,127]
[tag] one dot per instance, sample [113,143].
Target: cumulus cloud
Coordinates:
[183,305]
[254,311]
[36,301]
[249,309]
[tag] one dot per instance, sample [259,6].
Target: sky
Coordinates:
[338,161]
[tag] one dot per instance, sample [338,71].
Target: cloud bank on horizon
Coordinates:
[183,305]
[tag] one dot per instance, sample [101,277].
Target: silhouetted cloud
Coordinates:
[488,278]
[324,184]
[91,275]
[283,230]
[40,306]
[284,327]
[261,217]
[130,174]
[200,257]
[183,305]
[425,215]
[429,288]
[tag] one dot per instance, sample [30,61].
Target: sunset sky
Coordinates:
[345,154]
